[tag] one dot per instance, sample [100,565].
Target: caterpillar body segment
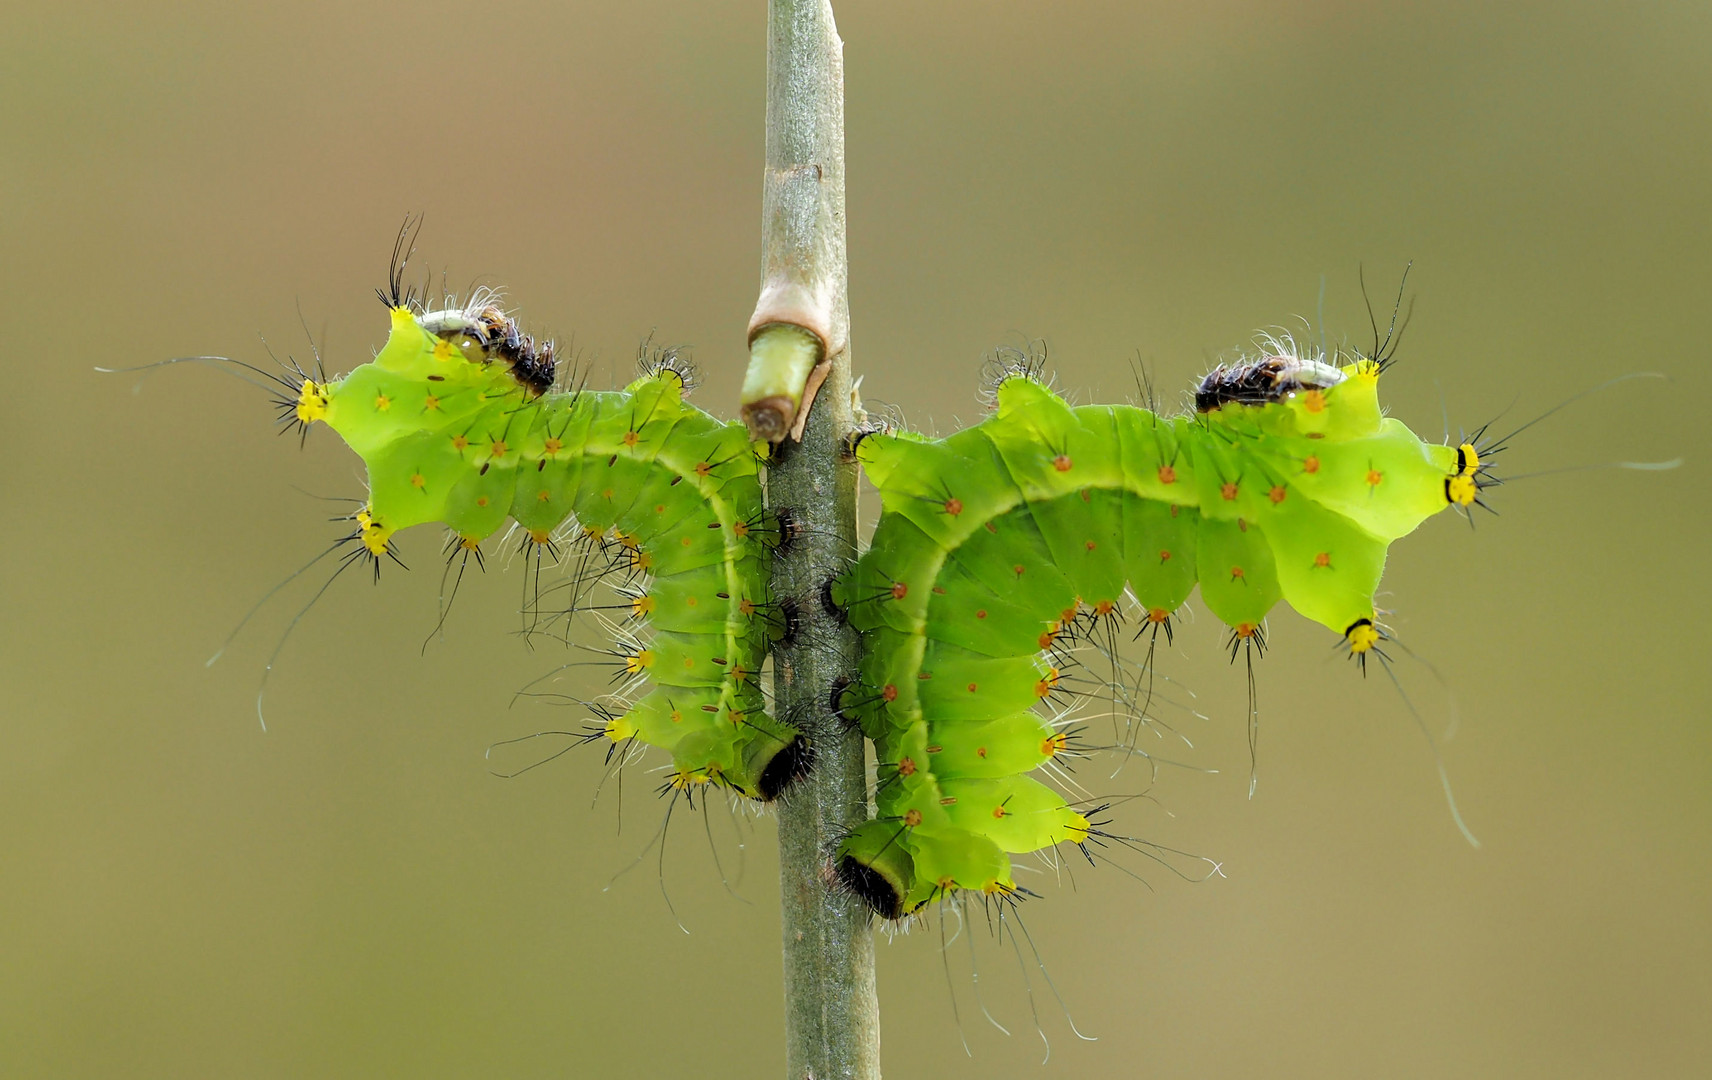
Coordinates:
[998,541]
[455,425]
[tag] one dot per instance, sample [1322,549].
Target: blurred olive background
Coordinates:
[352,894]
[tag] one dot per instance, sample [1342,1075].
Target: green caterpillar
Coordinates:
[998,542]
[457,422]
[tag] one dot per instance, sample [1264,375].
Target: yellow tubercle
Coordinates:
[1467,460]
[684,779]
[1461,489]
[1362,636]
[1076,829]
[311,402]
[374,534]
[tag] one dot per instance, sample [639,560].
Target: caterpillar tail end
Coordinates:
[873,866]
[776,768]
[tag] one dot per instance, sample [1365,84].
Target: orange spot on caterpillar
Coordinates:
[481,500]
[980,751]
[899,591]
[745,607]
[1167,475]
[1164,555]
[639,662]
[1324,558]
[459,443]
[443,350]
[741,528]
[417,480]
[1236,573]
[1228,490]
[702,469]
[981,614]
[1277,493]
[1090,545]
[889,693]
[690,601]
[1158,615]
[1105,607]
[1017,569]
[1312,465]
[540,536]
[1373,477]
[660,508]
[1314,400]
[684,541]
[912,818]
[1044,686]
[739,673]
[642,605]
[1052,744]
[1246,629]
[607,494]
[1061,463]
[677,717]
[999,811]
[430,403]
[906,766]
[630,438]
[971,688]
[497,449]
[554,446]
[953,506]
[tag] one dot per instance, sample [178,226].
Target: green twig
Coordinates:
[832,1022]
